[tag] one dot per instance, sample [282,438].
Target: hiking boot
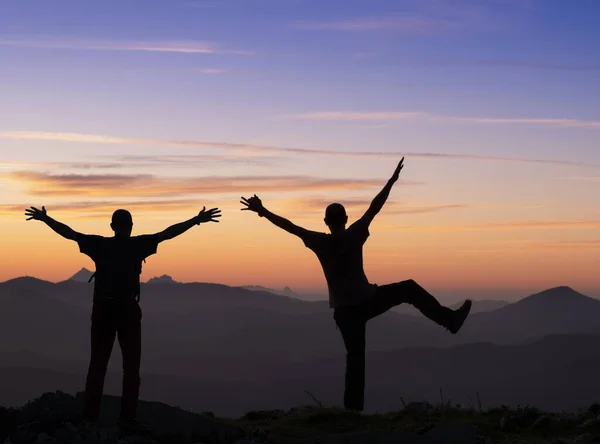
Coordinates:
[458,317]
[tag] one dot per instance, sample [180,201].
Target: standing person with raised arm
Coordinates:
[353,299]
[116,311]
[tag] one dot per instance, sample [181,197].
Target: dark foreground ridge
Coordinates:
[53,418]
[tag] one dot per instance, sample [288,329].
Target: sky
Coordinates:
[166,106]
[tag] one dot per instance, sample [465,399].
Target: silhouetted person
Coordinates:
[116,310]
[353,299]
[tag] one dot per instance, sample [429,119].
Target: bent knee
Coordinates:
[410,283]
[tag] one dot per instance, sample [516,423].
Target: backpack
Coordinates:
[137,295]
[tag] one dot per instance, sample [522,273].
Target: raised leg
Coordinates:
[409,292]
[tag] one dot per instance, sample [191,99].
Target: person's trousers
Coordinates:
[123,321]
[352,321]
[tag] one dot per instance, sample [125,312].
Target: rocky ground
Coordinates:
[53,418]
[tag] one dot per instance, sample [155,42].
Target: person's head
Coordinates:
[122,223]
[335,217]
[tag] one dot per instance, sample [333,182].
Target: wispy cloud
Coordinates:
[377,126]
[548,65]
[584,178]
[426,17]
[71,137]
[107,207]
[67,165]
[525,64]
[413,25]
[422,209]
[593,243]
[199,4]
[197,160]
[243,150]
[534,245]
[211,71]
[387,116]
[145,185]
[177,46]
[368,116]
[391,207]
[526,225]
[146,161]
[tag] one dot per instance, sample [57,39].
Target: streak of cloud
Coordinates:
[202,4]
[427,117]
[584,178]
[525,64]
[145,185]
[211,70]
[244,150]
[527,225]
[412,25]
[177,46]
[17,165]
[391,207]
[296,207]
[144,161]
[534,246]
[107,207]
[431,17]
[307,207]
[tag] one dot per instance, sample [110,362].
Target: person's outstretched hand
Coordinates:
[34,213]
[208,216]
[397,172]
[252,204]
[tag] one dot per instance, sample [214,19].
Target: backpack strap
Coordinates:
[92,277]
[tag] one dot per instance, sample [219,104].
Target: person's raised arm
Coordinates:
[60,228]
[180,228]
[380,199]
[254,204]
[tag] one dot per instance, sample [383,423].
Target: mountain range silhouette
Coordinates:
[205,340]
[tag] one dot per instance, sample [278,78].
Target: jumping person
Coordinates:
[353,299]
[116,311]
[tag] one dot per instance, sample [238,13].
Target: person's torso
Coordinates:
[341,257]
[118,269]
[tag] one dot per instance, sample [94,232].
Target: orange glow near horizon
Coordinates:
[244,249]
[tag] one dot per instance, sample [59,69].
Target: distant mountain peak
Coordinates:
[557,295]
[164,279]
[560,291]
[82,275]
[289,292]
